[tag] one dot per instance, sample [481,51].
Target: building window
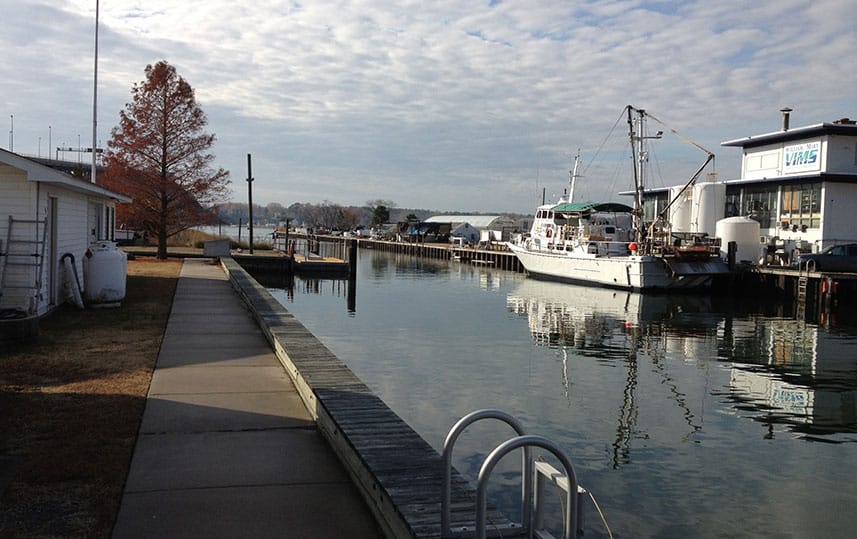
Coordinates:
[759,203]
[733,203]
[801,206]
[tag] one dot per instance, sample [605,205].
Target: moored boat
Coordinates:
[610,244]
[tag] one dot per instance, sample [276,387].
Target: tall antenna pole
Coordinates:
[95,97]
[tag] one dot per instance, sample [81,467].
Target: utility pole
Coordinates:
[250,198]
[94,98]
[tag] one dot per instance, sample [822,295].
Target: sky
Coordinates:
[472,106]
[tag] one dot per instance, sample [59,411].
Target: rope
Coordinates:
[603,142]
[601,514]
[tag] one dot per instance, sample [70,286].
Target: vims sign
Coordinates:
[802,157]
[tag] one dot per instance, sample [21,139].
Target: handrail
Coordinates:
[455,431]
[526,442]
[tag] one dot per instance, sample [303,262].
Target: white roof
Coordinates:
[476,221]
[40,173]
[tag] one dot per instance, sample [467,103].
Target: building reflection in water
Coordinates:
[783,370]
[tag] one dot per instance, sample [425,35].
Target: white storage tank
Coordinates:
[679,214]
[745,233]
[105,268]
[709,206]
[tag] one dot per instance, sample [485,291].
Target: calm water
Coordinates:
[684,416]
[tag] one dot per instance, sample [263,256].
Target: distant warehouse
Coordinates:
[475,229]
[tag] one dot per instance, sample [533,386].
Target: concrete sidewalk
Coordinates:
[226,447]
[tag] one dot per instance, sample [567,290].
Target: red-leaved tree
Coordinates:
[159,156]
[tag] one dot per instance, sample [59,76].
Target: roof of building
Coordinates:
[812,176]
[476,221]
[40,173]
[839,127]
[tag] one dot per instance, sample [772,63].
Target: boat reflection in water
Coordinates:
[685,415]
[784,371]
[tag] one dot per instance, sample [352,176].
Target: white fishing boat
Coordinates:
[610,244]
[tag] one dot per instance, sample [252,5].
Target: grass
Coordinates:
[72,401]
[196,238]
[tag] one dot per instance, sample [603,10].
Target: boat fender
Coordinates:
[632,246]
[67,260]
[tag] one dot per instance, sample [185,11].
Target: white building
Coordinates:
[799,184]
[50,213]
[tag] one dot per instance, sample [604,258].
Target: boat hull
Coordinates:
[625,272]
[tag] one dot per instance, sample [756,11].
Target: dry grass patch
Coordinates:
[71,404]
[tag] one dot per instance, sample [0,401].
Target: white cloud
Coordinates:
[442,104]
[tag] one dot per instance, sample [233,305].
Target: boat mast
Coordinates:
[637,158]
[572,177]
[640,156]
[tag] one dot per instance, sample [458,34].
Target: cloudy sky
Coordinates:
[446,105]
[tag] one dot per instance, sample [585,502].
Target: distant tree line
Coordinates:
[327,214]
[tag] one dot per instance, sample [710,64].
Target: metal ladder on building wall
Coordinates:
[24,249]
[535,477]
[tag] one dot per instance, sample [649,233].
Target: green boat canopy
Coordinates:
[583,207]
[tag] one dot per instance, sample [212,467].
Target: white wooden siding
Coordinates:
[24,199]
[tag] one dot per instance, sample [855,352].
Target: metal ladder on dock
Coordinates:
[24,248]
[535,477]
[803,280]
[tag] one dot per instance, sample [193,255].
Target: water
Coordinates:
[261,233]
[684,416]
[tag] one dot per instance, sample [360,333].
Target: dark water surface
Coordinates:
[685,416]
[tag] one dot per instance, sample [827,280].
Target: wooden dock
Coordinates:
[814,292]
[328,265]
[397,471]
[497,257]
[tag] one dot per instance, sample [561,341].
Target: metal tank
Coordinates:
[105,269]
[709,206]
[679,214]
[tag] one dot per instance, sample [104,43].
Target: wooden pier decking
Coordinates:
[397,471]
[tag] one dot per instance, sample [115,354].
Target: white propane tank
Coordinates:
[105,268]
[745,233]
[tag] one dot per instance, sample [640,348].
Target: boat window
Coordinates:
[609,230]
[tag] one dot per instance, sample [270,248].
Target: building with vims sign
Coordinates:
[800,184]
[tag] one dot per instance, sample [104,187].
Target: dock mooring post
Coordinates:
[731,254]
[352,276]
[352,256]
[250,200]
